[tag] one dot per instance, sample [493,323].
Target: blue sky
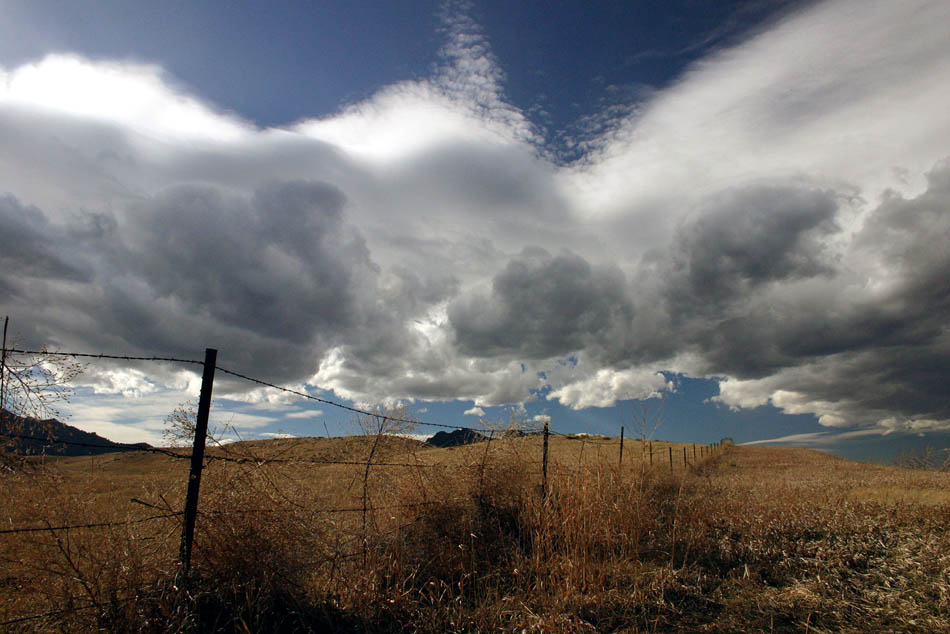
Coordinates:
[735,210]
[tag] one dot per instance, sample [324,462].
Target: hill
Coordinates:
[455,438]
[33,437]
[388,534]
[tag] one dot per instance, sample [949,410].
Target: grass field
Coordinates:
[464,539]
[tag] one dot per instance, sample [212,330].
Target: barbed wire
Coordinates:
[212,458]
[92,355]
[356,410]
[40,529]
[359,463]
[116,447]
[351,509]
[34,617]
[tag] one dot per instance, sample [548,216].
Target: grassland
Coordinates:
[464,540]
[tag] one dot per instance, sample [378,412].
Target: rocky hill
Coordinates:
[31,436]
[456,438]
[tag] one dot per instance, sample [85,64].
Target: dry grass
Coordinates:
[755,539]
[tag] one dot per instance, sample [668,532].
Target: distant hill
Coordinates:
[456,438]
[50,437]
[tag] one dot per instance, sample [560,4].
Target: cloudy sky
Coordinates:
[739,211]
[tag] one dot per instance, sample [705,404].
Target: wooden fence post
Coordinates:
[621,445]
[197,460]
[684,455]
[671,458]
[694,452]
[651,453]
[3,363]
[544,465]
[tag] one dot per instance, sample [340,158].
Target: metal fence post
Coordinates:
[621,445]
[3,363]
[544,465]
[197,460]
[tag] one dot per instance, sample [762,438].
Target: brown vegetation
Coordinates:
[751,539]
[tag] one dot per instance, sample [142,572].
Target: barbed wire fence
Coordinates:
[199,460]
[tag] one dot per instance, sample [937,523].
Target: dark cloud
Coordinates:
[869,342]
[281,263]
[910,238]
[542,306]
[273,279]
[731,287]
[28,246]
[747,237]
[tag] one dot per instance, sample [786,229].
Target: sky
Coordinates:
[696,220]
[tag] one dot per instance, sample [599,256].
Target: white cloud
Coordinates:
[122,419]
[126,381]
[821,439]
[474,411]
[605,387]
[136,96]
[304,414]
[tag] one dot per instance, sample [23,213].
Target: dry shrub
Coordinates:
[927,458]
[442,553]
[85,579]
[494,552]
[258,551]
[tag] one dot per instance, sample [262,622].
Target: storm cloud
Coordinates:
[544,306]
[778,218]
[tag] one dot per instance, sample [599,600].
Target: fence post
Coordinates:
[651,453]
[481,471]
[671,458]
[3,363]
[684,455]
[694,452]
[197,460]
[544,465]
[621,445]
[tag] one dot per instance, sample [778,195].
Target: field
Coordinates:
[402,537]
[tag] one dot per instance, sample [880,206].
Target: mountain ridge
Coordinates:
[32,436]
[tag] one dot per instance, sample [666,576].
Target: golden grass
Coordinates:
[753,539]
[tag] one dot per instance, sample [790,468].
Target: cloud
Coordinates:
[543,306]
[876,353]
[778,217]
[745,237]
[474,411]
[138,96]
[27,246]
[304,414]
[605,387]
